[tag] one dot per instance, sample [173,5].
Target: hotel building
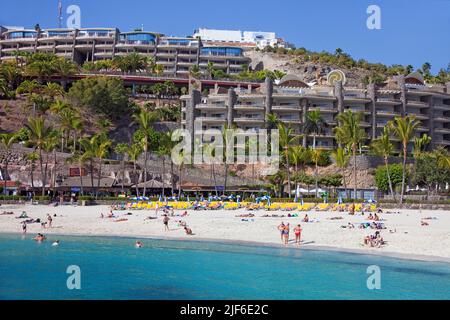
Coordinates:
[177,55]
[291,99]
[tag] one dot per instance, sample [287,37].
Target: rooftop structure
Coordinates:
[177,55]
[246,38]
[291,99]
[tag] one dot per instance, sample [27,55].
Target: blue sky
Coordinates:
[412,31]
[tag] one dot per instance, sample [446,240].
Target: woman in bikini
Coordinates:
[298,234]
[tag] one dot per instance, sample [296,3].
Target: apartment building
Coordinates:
[291,99]
[177,55]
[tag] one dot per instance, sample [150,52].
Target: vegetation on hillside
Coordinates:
[378,71]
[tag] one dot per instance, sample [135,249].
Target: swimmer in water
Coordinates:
[39,238]
[55,243]
[139,244]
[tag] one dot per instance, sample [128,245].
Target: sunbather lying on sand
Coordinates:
[23,215]
[348,226]
[6,213]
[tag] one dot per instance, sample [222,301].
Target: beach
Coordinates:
[404,234]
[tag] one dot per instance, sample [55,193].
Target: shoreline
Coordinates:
[405,237]
[387,254]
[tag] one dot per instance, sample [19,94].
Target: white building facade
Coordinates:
[259,39]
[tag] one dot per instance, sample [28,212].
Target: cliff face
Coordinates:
[307,71]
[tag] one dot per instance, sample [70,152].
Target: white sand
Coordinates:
[411,239]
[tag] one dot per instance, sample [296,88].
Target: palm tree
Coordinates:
[341,157]
[101,151]
[443,158]
[76,126]
[136,62]
[145,120]
[170,145]
[314,124]
[39,132]
[121,149]
[210,69]
[194,72]
[404,128]
[134,152]
[49,147]
[272,121]
[420,144]
[89,145]
[7,140]
[65,68]
[66,119]
[350,133]
[383,147]
[316,154]
[227,134]
[41,66]
[287,139]
[32,157]
[209,152]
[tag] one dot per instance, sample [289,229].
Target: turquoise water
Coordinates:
[112,268]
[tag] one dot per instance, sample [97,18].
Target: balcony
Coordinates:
[442,130]
[418,116]
[255,107]
[210,106]
[386,113]
[441,119]
[207,119]
[323,110]
[96,34]
[253,120]
[417,104]
[286,108]
[423,129]
[388,101]
[356,98]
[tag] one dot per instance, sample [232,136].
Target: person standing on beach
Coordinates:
[24,227]
[298,234]
[286,233]
[49,219]
[166,222]
[281,229]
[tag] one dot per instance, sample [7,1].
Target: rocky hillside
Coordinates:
[308,71]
